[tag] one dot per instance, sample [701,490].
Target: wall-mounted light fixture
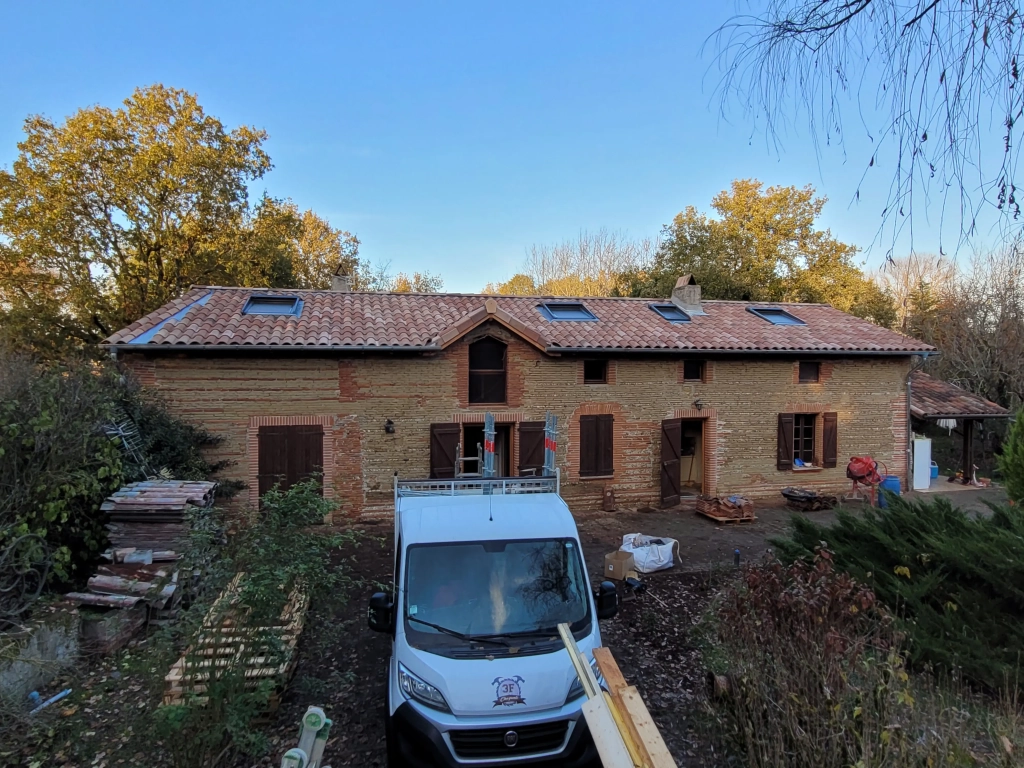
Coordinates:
[698,404]
[389,427]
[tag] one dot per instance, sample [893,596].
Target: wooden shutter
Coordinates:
[531,447]
[671,450]
[588,445]
[829,439]
[785,455]
[444,442]
[606,455]
[289,455]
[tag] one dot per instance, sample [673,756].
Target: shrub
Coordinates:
[956,582]
[278,547]
[59,460]
[1011,460]
[810,675]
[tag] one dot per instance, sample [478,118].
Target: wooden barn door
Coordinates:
[671,449]
[289,455]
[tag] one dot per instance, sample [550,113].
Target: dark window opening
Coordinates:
[693,370]
[566,311]
[803,437]
[776,316]
[671,312]
[272,305]
[595,371]
[810,373]
[596,445]
[487,359]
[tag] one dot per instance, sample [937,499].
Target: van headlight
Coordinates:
[414,688]
[576,689]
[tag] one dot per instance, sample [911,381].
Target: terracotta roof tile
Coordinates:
[213,317]
[932,398]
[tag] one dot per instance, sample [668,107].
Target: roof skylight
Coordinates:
[566,310]
[776,316]
[671,312]
[273,305]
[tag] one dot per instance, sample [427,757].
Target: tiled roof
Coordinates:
[932,398]
[212,317]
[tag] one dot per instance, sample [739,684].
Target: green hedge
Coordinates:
[955,581]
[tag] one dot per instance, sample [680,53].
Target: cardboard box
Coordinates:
[618,564]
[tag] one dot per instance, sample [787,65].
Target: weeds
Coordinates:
[807,670]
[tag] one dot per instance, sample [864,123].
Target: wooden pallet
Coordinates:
[225,643]
[721,519]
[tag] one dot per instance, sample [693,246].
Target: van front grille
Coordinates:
[491,742]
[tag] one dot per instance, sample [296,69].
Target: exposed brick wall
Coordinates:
[739,405]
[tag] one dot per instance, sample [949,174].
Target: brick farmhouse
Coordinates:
[655,399]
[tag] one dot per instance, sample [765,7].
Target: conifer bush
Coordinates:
[954,581]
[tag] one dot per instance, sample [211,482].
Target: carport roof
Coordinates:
[932,398]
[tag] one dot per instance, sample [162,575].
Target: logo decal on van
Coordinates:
[508,691]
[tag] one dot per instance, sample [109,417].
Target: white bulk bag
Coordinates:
[650,553]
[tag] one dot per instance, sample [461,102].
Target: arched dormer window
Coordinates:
[487,360]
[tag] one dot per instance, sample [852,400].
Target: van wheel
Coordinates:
[394,759]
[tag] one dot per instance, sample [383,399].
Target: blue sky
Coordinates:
[447,136]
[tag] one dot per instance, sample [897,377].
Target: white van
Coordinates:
[485,570]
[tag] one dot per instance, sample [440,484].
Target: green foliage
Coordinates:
[114,212]
[955,581]
[278,548]
[1011,461]
[57,461]
[764,246]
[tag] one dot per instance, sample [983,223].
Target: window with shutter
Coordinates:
[597,452]
[803,437]
[288,455]
[487,363]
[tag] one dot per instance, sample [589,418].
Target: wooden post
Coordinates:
[968,457]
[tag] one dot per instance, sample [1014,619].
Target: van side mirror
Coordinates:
[381,614]
[607,600]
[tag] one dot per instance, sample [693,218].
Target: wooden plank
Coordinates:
[645,726]
[616,683]
[108,601]
[610,746]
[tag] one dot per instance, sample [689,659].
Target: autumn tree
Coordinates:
[763,245]
[115,212]
[914,281]
[935,87]
[517,285]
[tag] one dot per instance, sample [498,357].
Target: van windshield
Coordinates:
[497,589]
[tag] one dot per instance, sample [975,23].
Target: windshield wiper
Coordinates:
[462,636]
[552,633]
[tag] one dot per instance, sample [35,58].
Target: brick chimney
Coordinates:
[686,295]
[341,282]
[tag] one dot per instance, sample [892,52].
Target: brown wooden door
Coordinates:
[531,447]
[444,443]
[289,455]
[671,450]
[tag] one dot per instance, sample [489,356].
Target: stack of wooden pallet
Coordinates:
[154,514]
[227,643]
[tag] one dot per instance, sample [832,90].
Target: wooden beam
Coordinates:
[968,457]
[649,734]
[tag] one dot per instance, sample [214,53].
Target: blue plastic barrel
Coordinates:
[889,483]
[935,470]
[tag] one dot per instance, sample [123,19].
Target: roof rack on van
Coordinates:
[477,486]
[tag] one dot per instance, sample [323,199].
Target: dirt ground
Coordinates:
[342,664]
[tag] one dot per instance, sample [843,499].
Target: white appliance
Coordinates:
[922,463]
